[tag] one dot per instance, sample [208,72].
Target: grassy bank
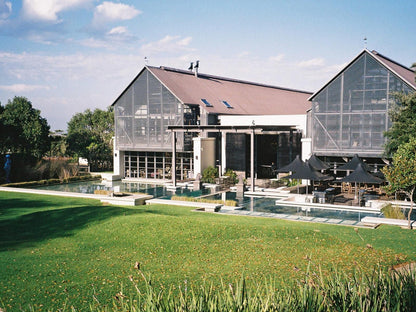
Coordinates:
[75,252]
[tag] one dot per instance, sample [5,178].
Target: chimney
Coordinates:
[196,67]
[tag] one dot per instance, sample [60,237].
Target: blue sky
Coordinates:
[69,55]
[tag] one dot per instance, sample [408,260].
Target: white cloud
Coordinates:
[48,10]
[5,9]
[167,45]
[185,41]
[277,58]
[244,54]
[316,62]
[23,87]
[120,30]
[110,12]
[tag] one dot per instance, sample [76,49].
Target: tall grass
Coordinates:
[380,290]
[393,212]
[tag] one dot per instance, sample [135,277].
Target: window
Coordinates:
[226,104]
[207,104]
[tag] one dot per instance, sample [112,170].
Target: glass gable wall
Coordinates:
[142,116]
[143,113]
[350,115]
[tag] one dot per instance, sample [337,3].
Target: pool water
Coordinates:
[247,203]
[268,205]
[88,187]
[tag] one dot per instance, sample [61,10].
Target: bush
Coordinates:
[393,212]
[233,176]
[230,202]
[52,181]
[209,175]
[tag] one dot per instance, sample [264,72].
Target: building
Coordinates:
[213,119]
[194,120]
[349,114]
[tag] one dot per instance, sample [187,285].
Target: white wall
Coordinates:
[298,121]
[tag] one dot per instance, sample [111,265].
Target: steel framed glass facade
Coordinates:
[350,115]
[143,113]
[142,116]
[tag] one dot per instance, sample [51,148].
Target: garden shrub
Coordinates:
[393,212]
[231,203]
[233,176]
[209,175]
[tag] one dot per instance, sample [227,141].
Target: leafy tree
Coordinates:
[90,134]
[401,175]
[58,144]
[403,117]
[23,129]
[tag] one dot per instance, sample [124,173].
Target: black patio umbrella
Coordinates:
[295,165]
[307,172]
[317,164]
[360,175]
[352,164]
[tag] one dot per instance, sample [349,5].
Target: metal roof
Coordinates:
[242,97]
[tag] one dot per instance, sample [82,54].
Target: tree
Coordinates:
[23,129]
[90,134]
[401,174]
[403,117]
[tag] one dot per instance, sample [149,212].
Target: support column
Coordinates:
[252,161]
[223,152]
[173,169]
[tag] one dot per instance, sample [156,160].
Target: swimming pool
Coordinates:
[259,204]
[88,187]
[268,205]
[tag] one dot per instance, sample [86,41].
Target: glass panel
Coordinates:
[143,113]
[366,88]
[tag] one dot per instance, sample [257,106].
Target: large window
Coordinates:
[157,165]
[350,115]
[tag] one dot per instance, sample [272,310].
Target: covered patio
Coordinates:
[223,130]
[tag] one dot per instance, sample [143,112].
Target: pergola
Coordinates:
[252,130]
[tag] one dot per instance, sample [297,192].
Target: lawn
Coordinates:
[57,252]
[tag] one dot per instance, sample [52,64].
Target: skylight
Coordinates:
[226,104]
[207,104]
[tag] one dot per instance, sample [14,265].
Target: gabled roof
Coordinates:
[242,97]
[404,73]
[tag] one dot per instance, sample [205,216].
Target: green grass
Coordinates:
[60,251]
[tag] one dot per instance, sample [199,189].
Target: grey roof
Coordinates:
[244,97]
[317,164]
[360,175]
[404,73]
[307,172]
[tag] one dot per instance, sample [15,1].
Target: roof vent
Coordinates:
[196,67]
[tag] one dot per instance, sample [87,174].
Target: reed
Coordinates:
[380,290]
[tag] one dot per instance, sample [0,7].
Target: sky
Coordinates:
[66,56]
